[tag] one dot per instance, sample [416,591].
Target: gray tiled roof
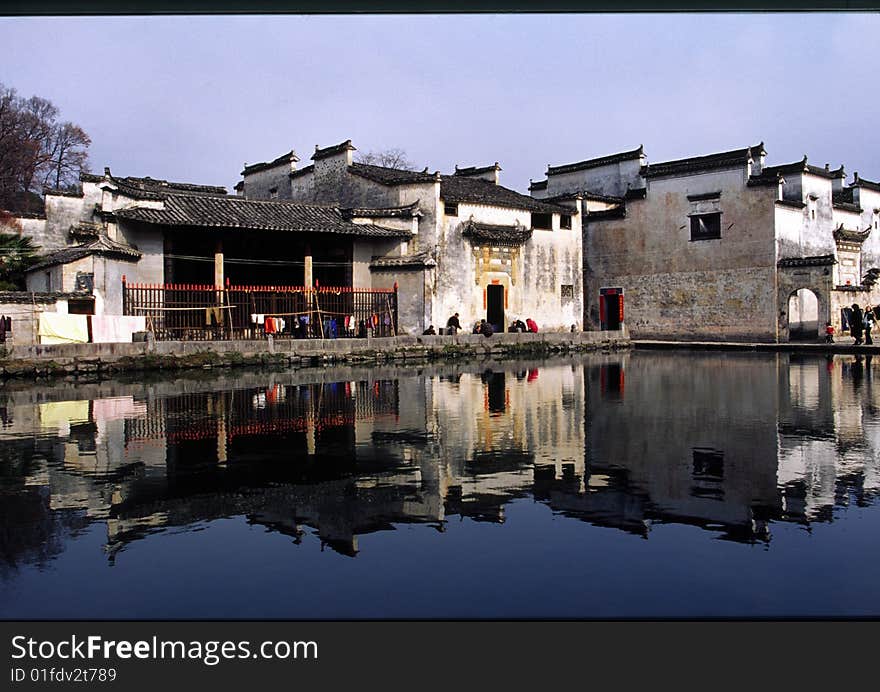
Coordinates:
[596,163]
[287,158]
[391,176]
[476,170]
[725,159]
[332,151]
[418,260]
[503,235]
[764,179]
[602,214]
[847,236]
[29,297]
[799,167]
[152,188]
[848,206]
[61,193]
[102,246]
[815,261]
[478,191]
[237,212]
[861,182]
[404,212]
[792,203]
[302,171]
[844,196]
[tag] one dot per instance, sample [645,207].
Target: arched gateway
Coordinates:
[803,297]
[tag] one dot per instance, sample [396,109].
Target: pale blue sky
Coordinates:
[193,98]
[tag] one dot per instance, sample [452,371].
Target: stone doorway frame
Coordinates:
[813,273]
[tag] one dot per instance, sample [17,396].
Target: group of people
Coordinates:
[860,323]
[453,326]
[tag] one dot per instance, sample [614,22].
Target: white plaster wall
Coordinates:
[62,212]
[614,179]
[302,187]
[258,184]
[428,197]
[31,228]
[789,224]
[150,242]
[816,235]
[676,287]
[532,279]
[869,201]
[44,280]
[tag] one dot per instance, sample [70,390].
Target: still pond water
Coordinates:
[615,485]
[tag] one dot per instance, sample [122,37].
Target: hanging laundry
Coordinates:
[58,328]
[108,329]
[253,318]
[213,317]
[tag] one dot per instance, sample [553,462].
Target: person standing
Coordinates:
[453,326]
[855,323]
[868,322]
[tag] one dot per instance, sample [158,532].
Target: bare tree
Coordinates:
[387,158]
[68,155]
[35,149]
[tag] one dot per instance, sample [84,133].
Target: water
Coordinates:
[617,485]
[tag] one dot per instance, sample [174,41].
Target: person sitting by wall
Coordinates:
[518,326]
[486,328]
[429,331]
[533,327]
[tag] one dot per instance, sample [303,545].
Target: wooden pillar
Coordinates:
[308,280]
[218,265]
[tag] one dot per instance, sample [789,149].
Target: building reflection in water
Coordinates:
[727,442]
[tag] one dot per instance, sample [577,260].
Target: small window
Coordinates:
[48,282]
[450,209]
[566,292]
[273,193]
[565,221]
[542,221]
[813,214]
[706,226]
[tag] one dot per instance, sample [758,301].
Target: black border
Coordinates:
[201,7]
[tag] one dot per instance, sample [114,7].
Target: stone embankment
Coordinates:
[91,359]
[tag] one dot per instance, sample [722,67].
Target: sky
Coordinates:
[194,98]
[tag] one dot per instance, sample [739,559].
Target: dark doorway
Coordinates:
[610,308]
[496,398]
[495,306]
